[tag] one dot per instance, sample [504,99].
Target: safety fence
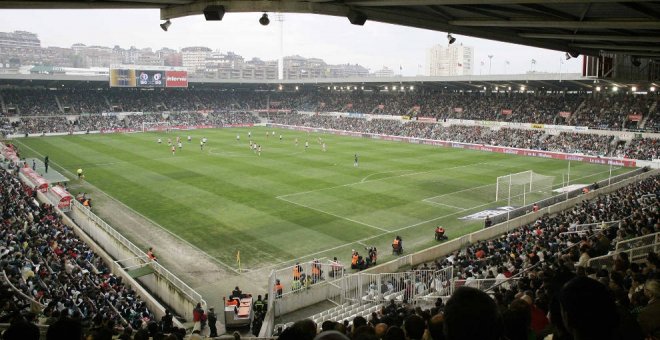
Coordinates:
[408,286]
[140,255]
[638,242]
[581,229]
[634,254]
[303,275]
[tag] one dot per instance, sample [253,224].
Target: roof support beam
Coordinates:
[387,3]
[635,38]
[617,47]
[601,24]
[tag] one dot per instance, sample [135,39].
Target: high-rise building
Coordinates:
[452,60]
[19,39]
[194,58]
[384,72]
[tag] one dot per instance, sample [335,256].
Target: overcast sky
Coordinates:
[333,39]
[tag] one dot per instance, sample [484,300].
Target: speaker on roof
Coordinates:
[357,18]
[214,12]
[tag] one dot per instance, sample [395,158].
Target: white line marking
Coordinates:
[139,214]
[383,172]
[299,258]
[444,205]
[331,214]
[379,179]
[456,192]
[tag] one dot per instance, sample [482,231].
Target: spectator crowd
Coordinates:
[595,111]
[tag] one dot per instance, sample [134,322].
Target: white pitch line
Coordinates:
[379,179]
[442,204]
[390,232]
[383,172]
[456,192]
[332,214]
[146,218]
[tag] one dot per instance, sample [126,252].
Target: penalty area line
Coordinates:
[361,241]
[332,214]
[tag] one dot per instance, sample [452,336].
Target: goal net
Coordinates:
[520,188]
[155,126]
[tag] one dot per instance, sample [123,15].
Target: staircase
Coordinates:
[107,103]
[577,113]
[651,112]
[59,104]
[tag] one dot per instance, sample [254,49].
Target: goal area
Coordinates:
[522,187]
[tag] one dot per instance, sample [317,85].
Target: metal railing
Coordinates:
[139,253]
[33,303]
[485,284]
[586,227]
[307,274]
[634,254]
[637,242]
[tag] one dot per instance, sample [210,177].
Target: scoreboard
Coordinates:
[124,77]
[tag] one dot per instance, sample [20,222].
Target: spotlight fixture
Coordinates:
[214,13]
[570,55]
[634,88]
[166,25]
[264,21]
[652,88]
[597,88]
[451,38]
[356,18]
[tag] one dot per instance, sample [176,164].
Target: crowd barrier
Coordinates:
[124,254]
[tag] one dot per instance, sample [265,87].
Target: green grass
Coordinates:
[290,203]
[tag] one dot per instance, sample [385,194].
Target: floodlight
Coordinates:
[634,88]
[264,21]
[652,89]
[635,61]
[570,55]
[166,25]
[597,88]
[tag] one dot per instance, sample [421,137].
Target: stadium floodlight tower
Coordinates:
[515,188]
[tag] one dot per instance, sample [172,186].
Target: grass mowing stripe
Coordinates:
[232,192]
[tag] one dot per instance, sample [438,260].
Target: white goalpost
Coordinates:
[516,188]
[155,126]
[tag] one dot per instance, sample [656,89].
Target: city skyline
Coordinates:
[332,39]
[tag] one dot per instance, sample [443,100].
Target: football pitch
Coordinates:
[292,203]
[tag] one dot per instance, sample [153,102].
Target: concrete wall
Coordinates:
[113,251]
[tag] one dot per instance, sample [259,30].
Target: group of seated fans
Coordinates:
[555,294]
[603,111]
[51,266]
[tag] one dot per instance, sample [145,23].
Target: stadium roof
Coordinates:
[576,26]
[531,81]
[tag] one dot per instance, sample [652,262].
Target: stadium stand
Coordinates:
[526,273]
[601,111]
